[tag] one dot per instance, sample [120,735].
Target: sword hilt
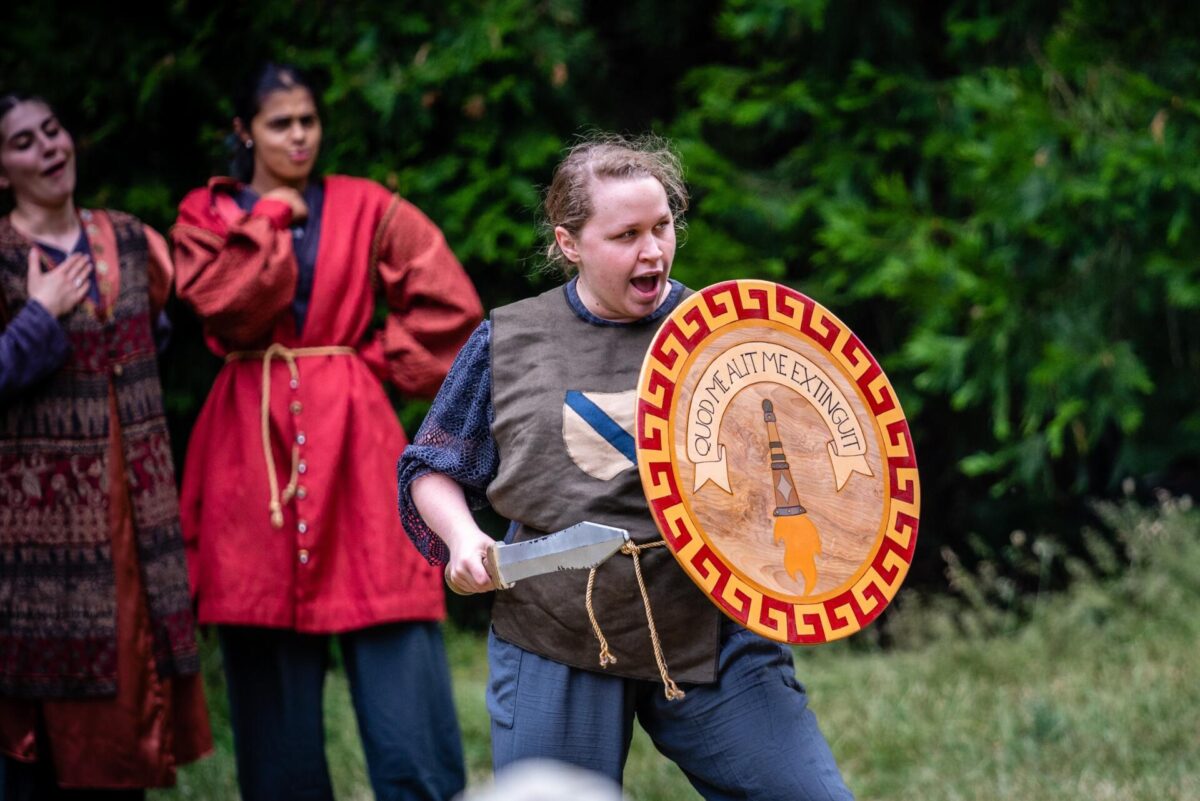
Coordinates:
[491,563]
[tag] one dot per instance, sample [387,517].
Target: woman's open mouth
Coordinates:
[647,285]
[55,170]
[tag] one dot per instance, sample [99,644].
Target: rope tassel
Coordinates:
[670,688]
[289,355]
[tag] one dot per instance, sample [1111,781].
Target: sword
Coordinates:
[578,547]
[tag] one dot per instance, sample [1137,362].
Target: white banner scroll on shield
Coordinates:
[757,362]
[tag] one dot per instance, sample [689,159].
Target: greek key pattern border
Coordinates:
[853,607]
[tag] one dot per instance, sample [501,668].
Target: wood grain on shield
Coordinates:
[734,365]
[740,524]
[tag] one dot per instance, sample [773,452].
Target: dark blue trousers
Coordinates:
[400,686]
[749,735]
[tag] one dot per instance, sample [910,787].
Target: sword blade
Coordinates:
[579,547]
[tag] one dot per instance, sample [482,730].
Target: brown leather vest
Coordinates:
[551,371]
[57,585]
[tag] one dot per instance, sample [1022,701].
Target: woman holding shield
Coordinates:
[534,419]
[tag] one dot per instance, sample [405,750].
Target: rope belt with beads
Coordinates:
[670,689]
[289,356]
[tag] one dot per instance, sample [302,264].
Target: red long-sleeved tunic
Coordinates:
[340,561]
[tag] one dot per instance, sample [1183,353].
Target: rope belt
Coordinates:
[289,355]
[670,689]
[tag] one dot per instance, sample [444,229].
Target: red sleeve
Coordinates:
[236,270]
[432,305]
[159,270]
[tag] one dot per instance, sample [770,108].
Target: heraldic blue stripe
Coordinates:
[604,425]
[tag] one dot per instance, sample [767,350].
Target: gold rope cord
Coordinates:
[289,355]
[606,657]
[670,688]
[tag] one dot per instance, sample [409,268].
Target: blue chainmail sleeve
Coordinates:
[455,440]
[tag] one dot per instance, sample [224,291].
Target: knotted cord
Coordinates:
[670,688]
[289,355]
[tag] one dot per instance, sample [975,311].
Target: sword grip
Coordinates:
[449,586]
[491,563]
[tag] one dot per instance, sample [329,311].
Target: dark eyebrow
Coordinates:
[308,115]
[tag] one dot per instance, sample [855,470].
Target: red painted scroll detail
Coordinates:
[646,408]
[855,351]
[710,296]
[890,545]
[787,309]
[883,401]
[760,312]
[835,609]
[875,592]
[704,557]
[906,521]
[818,627]
[788,612]
[671,331]
[695,317]
[828,337]
[676,541]
[905,490]
[663,475]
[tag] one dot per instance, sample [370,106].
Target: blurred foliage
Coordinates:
[1140,560]
[998,197]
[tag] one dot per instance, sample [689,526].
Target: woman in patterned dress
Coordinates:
[99,692]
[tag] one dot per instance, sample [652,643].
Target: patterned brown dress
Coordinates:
[98,658]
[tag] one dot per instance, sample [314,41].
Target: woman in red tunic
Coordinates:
[98,660]
[290,522]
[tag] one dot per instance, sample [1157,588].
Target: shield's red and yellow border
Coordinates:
[849,607]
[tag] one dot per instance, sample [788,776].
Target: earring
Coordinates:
[249,144]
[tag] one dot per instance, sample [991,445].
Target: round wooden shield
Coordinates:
[777,462]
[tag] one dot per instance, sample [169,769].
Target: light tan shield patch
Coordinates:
[777,462]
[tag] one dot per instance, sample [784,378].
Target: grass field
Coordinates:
[1091,693]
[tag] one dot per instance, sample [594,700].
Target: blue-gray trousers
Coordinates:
[750,735]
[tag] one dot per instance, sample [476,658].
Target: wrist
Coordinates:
[46,305]
[276,211]
[465,538]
